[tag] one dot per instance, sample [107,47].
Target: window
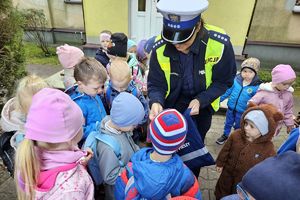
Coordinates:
[142,6]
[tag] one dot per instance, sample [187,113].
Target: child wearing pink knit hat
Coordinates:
[68,57]
[48,160]
[279,92]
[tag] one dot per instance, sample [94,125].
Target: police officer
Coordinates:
[192,63]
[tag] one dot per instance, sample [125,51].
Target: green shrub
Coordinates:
[11,49]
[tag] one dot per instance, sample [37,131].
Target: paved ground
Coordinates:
[208,175]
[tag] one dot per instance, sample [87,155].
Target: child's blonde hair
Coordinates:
[89,68]
[27,87]
[27,165]
[27,168]
[119,70]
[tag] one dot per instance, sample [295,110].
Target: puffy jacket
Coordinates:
[154,180]
[239,95]
[282,100]
[91,107]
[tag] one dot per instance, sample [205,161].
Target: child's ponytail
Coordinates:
[27,168]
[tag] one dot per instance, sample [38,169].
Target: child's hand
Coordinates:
[219,169]
[84,160]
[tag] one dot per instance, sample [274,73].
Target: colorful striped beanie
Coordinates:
[168,131]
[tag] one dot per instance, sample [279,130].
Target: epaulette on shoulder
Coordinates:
[158,44]
[220,37]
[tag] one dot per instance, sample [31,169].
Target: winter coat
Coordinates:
[108,162]
[239,94]
[156,180]
[238,154]
[282,100]
[67,182]
[102,57]
[136,71]
[91,107]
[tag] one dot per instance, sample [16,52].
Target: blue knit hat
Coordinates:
[130,43]
[126,110]
[275,178]
[168,131]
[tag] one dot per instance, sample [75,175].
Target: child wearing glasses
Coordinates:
[90,77]
[279,93]
[246,146]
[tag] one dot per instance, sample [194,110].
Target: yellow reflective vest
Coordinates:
[213,54]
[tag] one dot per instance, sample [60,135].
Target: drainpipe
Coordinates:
[51,20]
[83,40]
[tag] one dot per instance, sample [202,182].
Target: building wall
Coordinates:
[232,15]
[104,15]
[66,16]
[275,22]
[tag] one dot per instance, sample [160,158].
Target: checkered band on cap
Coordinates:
[168,131]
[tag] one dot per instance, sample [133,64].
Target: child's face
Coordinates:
[247,74]
[92,88]
[132,49]
[251,131]
[284,85]
[104,43]
[120,85]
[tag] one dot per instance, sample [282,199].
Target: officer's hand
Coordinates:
[156,108]
[195,106]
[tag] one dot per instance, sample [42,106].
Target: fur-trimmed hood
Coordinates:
[273,116]
[268,87]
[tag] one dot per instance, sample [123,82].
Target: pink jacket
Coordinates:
[283,100]
[66,182]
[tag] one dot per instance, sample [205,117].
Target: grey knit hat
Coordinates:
[259,119]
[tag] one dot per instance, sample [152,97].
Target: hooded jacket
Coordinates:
[156,180]
[282,100]
[239,94]
[92,109]
[238,154]
[68,182]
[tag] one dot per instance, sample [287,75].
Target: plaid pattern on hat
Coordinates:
[168,131]
[251,63]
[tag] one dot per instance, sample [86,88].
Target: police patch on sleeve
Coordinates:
[158,44]
[223,38]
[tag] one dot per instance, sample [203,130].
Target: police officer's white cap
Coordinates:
[180,18]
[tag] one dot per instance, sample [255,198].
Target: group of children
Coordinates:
[257,112]
[92,124]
